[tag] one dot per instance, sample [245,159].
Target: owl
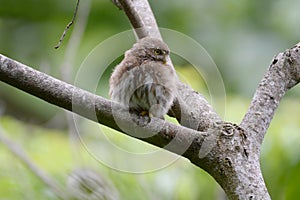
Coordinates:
[143,82]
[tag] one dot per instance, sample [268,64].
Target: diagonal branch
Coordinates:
[283,74]
[141,18]
[99,109]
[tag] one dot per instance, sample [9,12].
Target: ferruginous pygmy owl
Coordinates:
[143,81]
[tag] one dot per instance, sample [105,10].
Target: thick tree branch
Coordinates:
[141,17]
[97,108]
[283,74]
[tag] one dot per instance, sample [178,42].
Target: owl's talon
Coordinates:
[141,120]
[144,118]
[144,113]
[151,115]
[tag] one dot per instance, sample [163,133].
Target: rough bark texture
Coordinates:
[282,74]
[143,23]
[93,107]
[228,152]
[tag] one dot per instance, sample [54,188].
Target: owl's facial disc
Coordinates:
[150,49]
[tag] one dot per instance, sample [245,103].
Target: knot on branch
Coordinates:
[225,135]
[228,129]
[233,139]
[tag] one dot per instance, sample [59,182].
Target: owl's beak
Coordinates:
[165,59]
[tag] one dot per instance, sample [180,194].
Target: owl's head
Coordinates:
[151,49]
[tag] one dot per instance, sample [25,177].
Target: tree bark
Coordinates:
[228,152]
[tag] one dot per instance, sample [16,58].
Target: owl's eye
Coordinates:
[158,52]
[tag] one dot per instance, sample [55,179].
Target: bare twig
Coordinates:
[68,26]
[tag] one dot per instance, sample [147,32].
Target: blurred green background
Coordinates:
[241,37]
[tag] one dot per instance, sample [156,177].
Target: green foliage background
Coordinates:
[241,36]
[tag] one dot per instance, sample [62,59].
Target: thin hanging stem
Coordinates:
[68,26]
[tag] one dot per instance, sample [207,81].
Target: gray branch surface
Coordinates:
[228,152]
[282,74]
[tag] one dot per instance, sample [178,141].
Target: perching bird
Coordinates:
[143,82]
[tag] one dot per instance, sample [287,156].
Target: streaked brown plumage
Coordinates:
[143,81]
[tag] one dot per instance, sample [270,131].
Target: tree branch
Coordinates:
[141,17]
[282,74]
[96,108]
